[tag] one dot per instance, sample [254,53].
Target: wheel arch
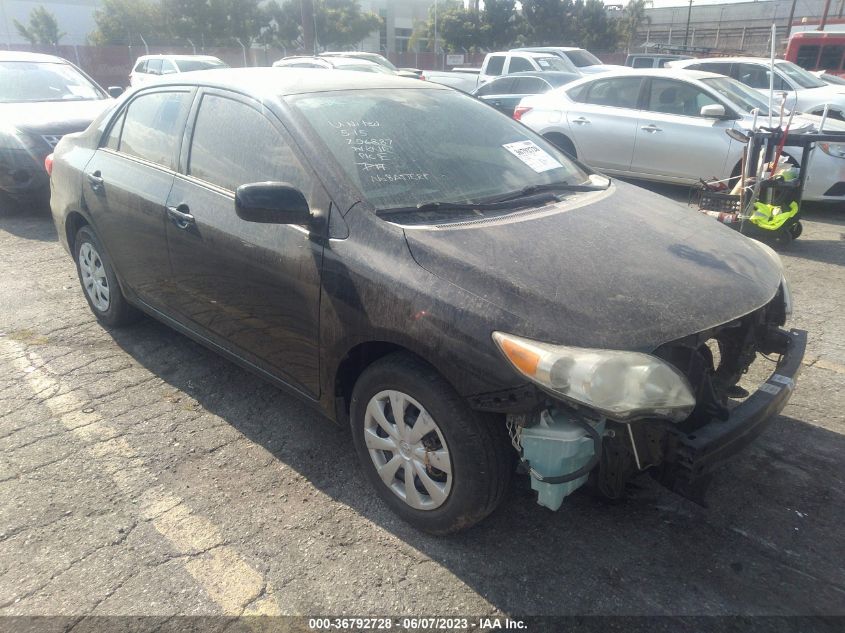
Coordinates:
[73,222]
[562,141]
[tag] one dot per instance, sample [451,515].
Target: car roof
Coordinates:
[754,60]
[180,57]
[551,74]
[280,82]
[670,73]
[21,56]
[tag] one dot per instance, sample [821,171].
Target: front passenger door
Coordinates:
[251,288]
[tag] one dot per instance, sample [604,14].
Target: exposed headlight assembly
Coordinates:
[833,149]
[623,386]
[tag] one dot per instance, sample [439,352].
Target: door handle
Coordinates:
[651,128]
[581,120]
[96,181]
[181,216]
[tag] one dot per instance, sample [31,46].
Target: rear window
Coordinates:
[399,149]
[643,62]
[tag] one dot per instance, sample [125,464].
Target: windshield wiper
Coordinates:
[446,207]
[531,190]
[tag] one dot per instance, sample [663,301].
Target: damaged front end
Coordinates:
[677,413]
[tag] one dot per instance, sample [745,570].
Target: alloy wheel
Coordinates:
[94,278]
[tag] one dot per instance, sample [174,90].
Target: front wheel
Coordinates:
[435,462]
[99,282]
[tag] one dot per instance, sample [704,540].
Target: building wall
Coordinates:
[743,26]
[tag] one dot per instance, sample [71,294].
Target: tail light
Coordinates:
[48,164]
[521,111]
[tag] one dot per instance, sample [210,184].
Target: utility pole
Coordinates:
[689,15]
[308,41]
[824,15]
[789,21]
[436,58]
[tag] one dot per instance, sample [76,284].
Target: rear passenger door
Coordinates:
[603,121]
[126,184]
[251,288]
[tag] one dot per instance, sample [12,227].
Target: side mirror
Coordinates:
[713,111]
[115,91]
[272,203]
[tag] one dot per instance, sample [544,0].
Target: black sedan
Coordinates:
[505,93]
[42,98]
[434,275]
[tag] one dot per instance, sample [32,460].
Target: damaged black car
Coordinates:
[464,296]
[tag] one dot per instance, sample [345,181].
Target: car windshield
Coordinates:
[22,82]
[188,65]
[404,148]
[799,75]
[745,98]
[551,63]
[582,58]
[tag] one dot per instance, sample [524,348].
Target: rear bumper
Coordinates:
[694,456]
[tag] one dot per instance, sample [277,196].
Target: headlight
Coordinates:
[621,385]
[833,149]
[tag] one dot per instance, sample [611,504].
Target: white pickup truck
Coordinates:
[495,65]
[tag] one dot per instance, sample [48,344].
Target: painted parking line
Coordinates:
[235,586]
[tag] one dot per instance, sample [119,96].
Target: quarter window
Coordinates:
[831,58]
[676,97]
[153,126]
[253,150]
[113,140]
[807,56]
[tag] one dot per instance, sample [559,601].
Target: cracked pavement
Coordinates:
[141,474]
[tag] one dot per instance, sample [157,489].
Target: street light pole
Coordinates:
[689,15]
[436,58]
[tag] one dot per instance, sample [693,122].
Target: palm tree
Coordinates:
[633,17]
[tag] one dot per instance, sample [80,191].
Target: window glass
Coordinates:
[154,66]
[529,86]
[582,58]
[495,65]
[496,87]
[677,97]
[552,63]
[739,94]
[618,92]
[520,65]
[807,56]
[167,67]
[139,68]
[797,74]
[398,150]
[22,82]
[831,58]
[578,93]
[720,68]
[113,140]
[153,126]
[230,155]
[757,76]
[188,65]
[643,62]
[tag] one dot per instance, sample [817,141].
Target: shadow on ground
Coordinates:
[770,542]
[29,224]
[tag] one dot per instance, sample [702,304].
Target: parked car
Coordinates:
[836,80]
[818,50]
[652,60]
[805,92]
[437,283]
[583,60]
[505,93]
[149,67]
[496,64]
[332,63]
[669,125]
[381,60]
[42,98]
[465,80]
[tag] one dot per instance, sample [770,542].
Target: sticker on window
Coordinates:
[532,155]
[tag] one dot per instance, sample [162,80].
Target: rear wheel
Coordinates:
[434,461]
[99,282]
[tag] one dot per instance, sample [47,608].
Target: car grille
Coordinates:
[52,139]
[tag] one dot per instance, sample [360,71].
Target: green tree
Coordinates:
[341,23]
[284,22]
[501,24]
[43,28]
[551,21]
[595,31]
[458,28]
[121,21]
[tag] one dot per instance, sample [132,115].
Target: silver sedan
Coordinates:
[669,125]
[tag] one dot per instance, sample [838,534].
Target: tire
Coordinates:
[98,281]
[478,460]
[795,230]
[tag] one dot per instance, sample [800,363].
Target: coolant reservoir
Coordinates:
[557,446]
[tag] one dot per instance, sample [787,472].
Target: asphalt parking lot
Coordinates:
[142,474]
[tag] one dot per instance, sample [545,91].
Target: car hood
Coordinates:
[621,269]
[53,117]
